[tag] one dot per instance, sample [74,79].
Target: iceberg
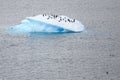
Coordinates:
[47,23]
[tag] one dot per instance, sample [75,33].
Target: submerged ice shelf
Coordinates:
[48,24]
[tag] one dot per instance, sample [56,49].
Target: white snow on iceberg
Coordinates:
[49,24]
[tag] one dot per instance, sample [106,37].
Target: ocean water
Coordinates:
[90,55]
[56,56]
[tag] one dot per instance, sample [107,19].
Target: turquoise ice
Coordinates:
[36,26]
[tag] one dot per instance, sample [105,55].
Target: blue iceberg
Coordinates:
[48,24]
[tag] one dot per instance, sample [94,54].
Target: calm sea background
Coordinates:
[93,54]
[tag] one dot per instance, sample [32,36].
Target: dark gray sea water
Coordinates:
[93,54]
